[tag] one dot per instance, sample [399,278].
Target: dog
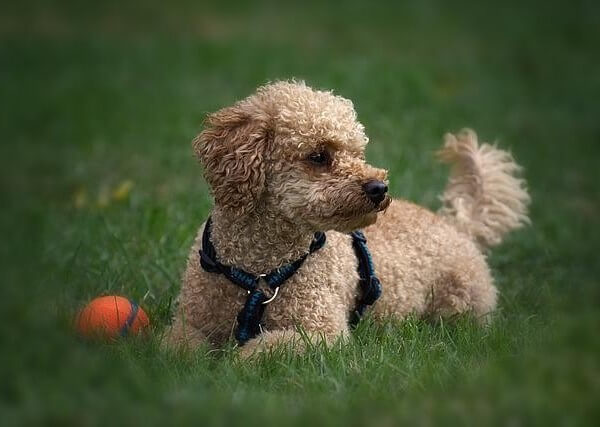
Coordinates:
[287,171]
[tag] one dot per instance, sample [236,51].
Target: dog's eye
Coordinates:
[319,158]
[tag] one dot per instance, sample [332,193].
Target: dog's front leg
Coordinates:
[297,341]
[183,334]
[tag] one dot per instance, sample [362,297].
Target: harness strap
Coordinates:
[370,285]
[249,317]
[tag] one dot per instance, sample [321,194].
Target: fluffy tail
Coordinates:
[484,198]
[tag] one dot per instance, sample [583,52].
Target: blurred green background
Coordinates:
[101,195]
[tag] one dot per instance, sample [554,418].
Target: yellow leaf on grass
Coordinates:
[121,192]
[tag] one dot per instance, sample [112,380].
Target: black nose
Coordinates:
[375,190]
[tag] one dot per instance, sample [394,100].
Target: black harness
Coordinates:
[251,314]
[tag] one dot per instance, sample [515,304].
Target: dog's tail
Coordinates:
[485,197]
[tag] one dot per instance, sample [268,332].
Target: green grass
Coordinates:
[98,94]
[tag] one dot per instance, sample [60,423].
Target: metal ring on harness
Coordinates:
[272,298]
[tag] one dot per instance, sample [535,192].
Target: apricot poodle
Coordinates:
[278,262]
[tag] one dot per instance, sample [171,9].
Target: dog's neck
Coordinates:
[258,242]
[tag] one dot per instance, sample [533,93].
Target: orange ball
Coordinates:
[111,317]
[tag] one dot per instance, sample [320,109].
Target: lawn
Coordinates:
[100,97]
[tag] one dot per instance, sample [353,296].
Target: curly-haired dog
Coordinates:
[287,162]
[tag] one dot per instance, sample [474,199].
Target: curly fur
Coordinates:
[270,199]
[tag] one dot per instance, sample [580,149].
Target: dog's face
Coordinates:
[296,153]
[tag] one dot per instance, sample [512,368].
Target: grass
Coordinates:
[99,95]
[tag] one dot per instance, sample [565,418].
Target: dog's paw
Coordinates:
[288,340]
[269,341]
[182,335]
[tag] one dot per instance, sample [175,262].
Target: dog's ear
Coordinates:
[232,149]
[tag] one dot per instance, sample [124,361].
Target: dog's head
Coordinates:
[293,152]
